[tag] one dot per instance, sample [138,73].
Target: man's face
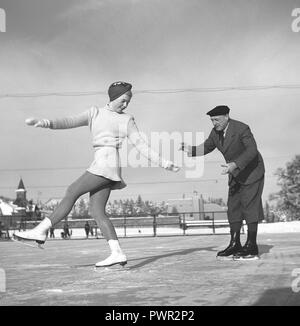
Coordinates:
[220,122]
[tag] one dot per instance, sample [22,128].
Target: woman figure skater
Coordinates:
[109,126]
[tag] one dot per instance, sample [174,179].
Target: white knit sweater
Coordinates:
[110,128]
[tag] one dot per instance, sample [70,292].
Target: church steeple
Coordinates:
[21,195]
[21,185]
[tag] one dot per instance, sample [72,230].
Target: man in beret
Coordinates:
[245,168]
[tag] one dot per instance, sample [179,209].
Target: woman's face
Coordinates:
[121,103]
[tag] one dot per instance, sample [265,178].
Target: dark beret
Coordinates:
[218,110]
[117,89]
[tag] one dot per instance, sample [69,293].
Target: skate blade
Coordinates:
[112,269]
[246,258]
[224,258]
[28,243]
[122,264]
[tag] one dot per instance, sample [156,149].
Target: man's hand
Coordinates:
[228,168]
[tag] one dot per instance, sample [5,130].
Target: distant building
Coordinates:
[7,208]
[215,211]
[52,202]
[192,206]
[20,206]
[21,200]
[196,209]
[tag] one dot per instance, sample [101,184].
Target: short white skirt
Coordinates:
[107,164]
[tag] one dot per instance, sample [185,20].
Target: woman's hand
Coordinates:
[43,123]
[171,167]
[186,148]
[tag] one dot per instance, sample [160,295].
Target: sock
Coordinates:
[252,232]
[252,227]
[44,226]
[236,226]
[114,246]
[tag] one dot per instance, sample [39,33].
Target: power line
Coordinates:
[134,194]
[154,91]
[84,167]
[220,89]
[216,180]
[17,95]
[128,183]
[43,169]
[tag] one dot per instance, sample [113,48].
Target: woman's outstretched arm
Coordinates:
[143,147]
[79,120]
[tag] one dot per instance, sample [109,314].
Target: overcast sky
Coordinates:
[84,45]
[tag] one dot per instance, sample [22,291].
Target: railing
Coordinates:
[185,223]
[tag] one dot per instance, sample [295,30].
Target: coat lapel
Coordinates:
[229,135]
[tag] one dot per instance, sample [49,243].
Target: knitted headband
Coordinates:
[117,89]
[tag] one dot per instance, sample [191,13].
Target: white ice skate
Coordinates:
[30,238]
[113,259]
[38,234]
